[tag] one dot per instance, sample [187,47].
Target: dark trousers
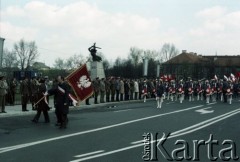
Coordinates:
[112,96]
[121,97]
[126,96]
[34,100]
[12,98]
[96,97]
[61,118]
[3,100]
[87,101]
[136,96]
[224,97]
[24,102]
[117,95]
[131,96]
[45,114]
[107,96]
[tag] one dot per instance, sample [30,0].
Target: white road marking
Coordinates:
[7,149]
[219,118]
[212,103]
[136,142]
[205,123]
[205,111]
[87,154]
[122,110]
[169,103]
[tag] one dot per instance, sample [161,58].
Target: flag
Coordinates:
[233,77]
[81,83]
[225,77]
[74,100]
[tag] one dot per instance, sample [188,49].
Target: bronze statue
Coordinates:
[93,51]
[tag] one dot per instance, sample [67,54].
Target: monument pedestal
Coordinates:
[97,70]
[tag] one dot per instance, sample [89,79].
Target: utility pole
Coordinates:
[1,51]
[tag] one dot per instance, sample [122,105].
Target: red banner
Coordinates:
[81,83]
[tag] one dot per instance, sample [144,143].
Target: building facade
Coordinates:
[198,67]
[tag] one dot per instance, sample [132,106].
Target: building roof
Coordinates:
[40,66]
[224,60]
[190,58]
[193,58]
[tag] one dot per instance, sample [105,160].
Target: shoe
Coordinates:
[34,121]
[58,124]
[47,121]
[62,127]
[4,112]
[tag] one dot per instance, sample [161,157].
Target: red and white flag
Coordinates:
[81,83]
[233,77]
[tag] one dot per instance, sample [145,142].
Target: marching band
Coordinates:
[213,90]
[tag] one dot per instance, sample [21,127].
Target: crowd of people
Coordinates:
[37,92]
[114,89]
[210,90]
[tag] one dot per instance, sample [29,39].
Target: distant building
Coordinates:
[40,66]
[198,66]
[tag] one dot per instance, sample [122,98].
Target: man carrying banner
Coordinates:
[42,106]
[61,95]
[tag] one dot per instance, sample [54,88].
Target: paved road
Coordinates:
[103,134]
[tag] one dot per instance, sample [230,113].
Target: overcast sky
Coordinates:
[62,28]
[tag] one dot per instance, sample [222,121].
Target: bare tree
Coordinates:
[9,59]
[59,64]
[150,54]
[75,61]
[27,53]
[168,51]
[118,62]
[33,53]
[135,55]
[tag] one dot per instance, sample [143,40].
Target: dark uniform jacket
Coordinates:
[160,90]
[24,88]
[42,104]
[61,93]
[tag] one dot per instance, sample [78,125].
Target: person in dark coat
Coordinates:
[224,90]
[25,93]
[34,87]
[13,86]
[159,93]
[42,106]
[61,93]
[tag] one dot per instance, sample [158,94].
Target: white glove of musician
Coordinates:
[46,93]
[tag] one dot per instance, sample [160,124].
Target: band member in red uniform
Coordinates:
[180,91]
[214,90]
[208,91]
[219,90]
[199,90]
[190,90]
[229,92]
[173,90]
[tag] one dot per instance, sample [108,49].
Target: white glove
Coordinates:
[46,93]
